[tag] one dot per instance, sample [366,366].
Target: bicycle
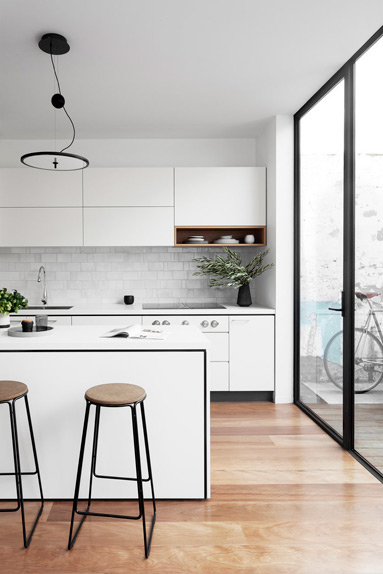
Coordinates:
[368,353]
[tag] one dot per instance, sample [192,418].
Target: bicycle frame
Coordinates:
[371,315]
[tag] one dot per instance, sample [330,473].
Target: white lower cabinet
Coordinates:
[252,353]
[219,376]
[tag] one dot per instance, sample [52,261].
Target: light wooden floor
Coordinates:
[286,499]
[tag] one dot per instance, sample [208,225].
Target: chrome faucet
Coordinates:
[44,298]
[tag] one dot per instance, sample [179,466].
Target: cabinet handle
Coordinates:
[240,320]
[185,322]
[165,323]
[156,323]
[214,323]
[205,323]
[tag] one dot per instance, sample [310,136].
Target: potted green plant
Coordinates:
[230,272]
[10,302]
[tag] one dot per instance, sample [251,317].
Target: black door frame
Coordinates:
[345,73]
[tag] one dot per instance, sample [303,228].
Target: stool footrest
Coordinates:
[105,515]
[22,473]
[119,477]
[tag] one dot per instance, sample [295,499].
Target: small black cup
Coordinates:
[27,325]
[128,299]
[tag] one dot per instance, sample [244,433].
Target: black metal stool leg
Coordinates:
[18,471]
[139,475]
[37,471]
[150,475]
[78,480]
[148,454]
[94,454]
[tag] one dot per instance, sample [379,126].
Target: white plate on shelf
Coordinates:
[226,241]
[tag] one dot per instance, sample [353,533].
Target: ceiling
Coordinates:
[172,68]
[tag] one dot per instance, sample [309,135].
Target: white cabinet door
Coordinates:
[25,187]
[129,186]
[134,226]
[220,196]
[252,353]
[219,350]
[40,227]
[219,376]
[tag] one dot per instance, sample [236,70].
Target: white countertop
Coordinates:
[86,338]
[136,309]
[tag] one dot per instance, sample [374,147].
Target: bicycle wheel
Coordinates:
[368,360]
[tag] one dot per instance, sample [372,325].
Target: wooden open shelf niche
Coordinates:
[182,233]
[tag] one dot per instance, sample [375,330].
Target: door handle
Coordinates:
[341,310]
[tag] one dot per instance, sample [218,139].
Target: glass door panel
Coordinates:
[321,257]
[368,433]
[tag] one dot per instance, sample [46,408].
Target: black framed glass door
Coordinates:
[320,220]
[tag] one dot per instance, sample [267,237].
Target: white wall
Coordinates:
[275,149]
[143,152]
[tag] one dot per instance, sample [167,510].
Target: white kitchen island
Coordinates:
[59,368]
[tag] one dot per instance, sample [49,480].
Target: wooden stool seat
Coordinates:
[10,390]
[115,394]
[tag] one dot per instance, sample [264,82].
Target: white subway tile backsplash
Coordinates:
[94,275]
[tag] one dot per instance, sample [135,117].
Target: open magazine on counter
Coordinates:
[137,332]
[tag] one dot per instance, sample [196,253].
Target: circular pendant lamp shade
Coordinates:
[54,161]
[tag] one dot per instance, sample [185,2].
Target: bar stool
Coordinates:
[10,392]
[115,395]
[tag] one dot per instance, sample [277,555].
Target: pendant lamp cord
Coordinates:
[68,116]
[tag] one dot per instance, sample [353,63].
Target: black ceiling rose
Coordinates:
[54,44]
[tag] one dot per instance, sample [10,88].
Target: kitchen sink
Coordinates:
[48,307]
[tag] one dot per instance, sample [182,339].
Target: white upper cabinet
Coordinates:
[27,187]
[220,196]
[135,226]
[40,226]
[130,187]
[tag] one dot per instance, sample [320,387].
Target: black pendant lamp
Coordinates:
[56,45]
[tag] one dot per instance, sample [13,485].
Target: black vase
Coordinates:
[244,296]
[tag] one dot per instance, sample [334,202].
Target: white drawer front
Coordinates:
[219,350]
[219,376]
[106,320]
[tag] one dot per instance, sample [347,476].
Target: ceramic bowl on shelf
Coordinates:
[226,240]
